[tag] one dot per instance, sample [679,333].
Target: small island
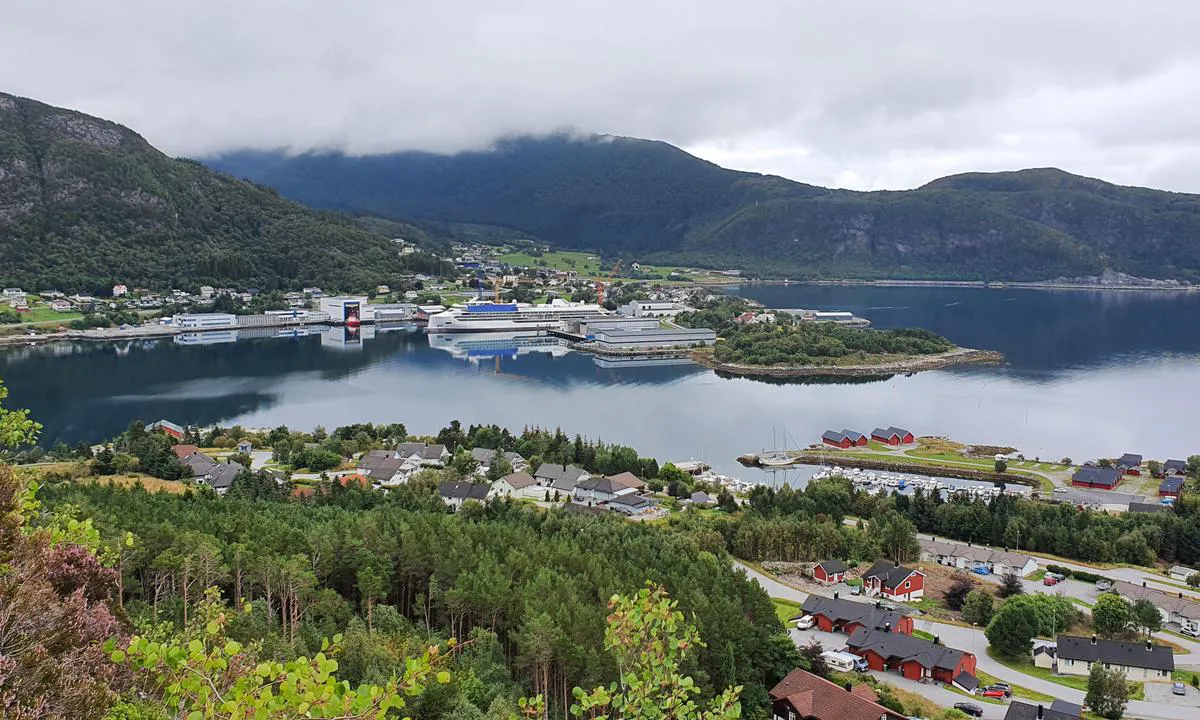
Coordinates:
[778,345]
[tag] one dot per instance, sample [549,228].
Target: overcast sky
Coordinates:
[866,95]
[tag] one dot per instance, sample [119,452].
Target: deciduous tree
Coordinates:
[1107,692]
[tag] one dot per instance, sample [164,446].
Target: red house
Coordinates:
[804,696]
[1170,487]
[893,580]
[840,615]
[167,427]
[830,572]
[844,439]
[1130,464]
[892,436]
[914,658]
[1101,478]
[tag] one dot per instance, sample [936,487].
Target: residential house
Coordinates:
[184,451]
[218,476]
[1181,573]
[892,436]
[518,485]
[629,480]
[382,467]
[120,290]
[830,572]
[61,306]
[1044,655]
[841,615]
[969,557]
[1174,467]
[245,446]
[423,454]
[914,658]
[631,504]
[1173,607]
[600,490]
[455,494]
[1059,710]
[1139,661]
[580,509]
[562,478]
[1102,478]
[844,439]
[893,580]
[1170,486]
[701,499]
[804,696]
[1130,464]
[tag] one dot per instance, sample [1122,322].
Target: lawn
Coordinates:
[1018,691]
[1137,690]
[786,609]
[923,635]
[585,264]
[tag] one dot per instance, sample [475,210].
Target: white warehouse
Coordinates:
[206,320]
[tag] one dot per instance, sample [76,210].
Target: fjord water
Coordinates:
[1088,374]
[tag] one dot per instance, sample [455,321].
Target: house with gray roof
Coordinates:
[968,556]
[454,494]
[563,478]
[600,489]
[1174,607]
[631,504]
[518,485]
[913,657]
[1018,710]
[1174,467]
[1139,661]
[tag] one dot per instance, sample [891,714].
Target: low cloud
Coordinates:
[874,95]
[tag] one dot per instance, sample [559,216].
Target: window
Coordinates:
[907,584]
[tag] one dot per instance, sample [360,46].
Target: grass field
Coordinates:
[152,484]
[583,263]
[1137,690]
[785,609]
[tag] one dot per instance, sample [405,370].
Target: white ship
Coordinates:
[499,344]
[487,316]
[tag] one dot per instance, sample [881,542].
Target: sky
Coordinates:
[863,95]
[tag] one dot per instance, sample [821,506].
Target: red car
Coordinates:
[1050,580]
[994,693]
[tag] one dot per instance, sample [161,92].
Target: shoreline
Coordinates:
[809,457]
[981,284]
[921,363]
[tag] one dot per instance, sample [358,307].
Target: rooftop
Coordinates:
[1097,476]
[841,610]
[817,698]
[889,573]
[906,648]
[1143,655]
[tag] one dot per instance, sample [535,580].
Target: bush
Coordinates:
[1087,576]
[1060,570]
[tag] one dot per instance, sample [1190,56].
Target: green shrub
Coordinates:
[1060,570]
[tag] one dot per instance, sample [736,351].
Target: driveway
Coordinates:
[1161,693]
[259,459]
[974,641]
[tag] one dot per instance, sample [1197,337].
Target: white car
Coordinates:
[806,622]
[1060,489]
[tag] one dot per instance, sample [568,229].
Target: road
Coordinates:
[973,640]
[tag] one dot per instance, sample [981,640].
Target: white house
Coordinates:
[1173,607]
[651,308]
[518,485]
[1181,573]
[120,290]
[968,557]
[455,494]
[1139,661]
[601,489]
[61,306]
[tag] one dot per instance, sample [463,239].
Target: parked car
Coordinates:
[856,589]
[806,622]
[885,605]
[1191,632]
[1104,584]
[1179,689]
[1050,579]
[994,693]
[981,570]
[969,708]
[1002,687]
[1060,489]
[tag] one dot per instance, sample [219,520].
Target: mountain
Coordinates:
[86,203]
[648,200]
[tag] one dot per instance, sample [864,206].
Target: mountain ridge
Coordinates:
[648,200]
[86,203]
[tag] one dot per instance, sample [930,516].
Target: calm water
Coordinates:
[1089,374]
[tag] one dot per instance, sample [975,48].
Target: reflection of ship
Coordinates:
[615,362]
[476,346]
[212,337]
[487,316]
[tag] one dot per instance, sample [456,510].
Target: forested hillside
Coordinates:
[646,200]
[86,203]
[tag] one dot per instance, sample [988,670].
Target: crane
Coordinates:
[499,283]
[600,282]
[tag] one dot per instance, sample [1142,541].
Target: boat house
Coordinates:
[892,436]
[1101,478]
[844,439]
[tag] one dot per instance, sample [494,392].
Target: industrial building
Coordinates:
[393,312]
[589,327]
[649,308]
[635,339]
[347,310]
[199,321]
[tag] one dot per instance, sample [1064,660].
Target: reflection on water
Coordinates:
[1088,374]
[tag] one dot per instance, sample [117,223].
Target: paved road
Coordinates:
[974,641]
[259,459]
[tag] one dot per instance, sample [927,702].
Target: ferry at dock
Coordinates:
[487,316]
